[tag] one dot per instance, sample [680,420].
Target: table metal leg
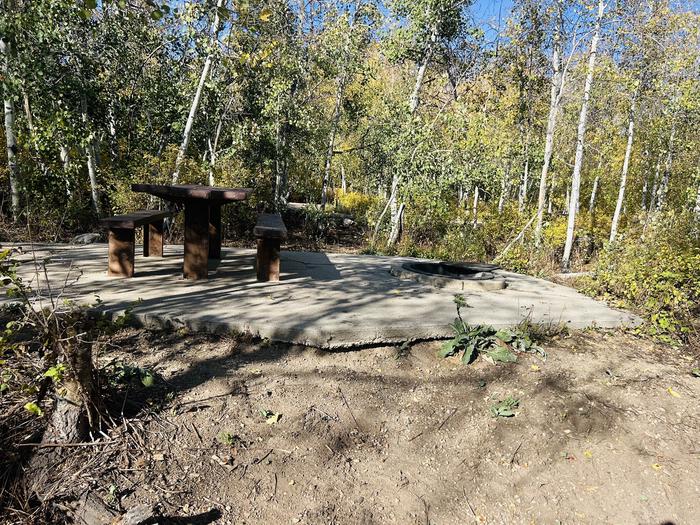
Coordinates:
[196,240]
[215,231]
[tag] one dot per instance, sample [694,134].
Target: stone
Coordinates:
[86,238]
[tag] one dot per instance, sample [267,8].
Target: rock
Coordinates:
[137,515]
[86,238]
[348,222]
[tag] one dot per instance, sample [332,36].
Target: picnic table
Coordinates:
[202,219]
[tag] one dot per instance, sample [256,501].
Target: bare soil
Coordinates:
[607,431]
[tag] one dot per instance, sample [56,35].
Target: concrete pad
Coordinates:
[326,300]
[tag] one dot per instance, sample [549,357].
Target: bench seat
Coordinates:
[122,234]
[269,231]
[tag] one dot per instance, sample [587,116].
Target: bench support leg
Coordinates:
[121,252]
[268,260]
[196,240]
[153,239]
[215,231]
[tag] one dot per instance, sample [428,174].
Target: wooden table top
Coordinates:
[184,192]
[134,219]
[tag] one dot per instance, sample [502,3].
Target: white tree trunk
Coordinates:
[392,198]
[340,90]
[10,139]
[393,205]
[397,227]
[414,101]
[113,146]
[475,205]
[331,140]
[343,181]
[555,94]
[662,192]
[578,161]
[623,177]
[197,96]
[522,196]
[550,195]
[280,186]
[213,148]
[91,157]
[594,194]
[65,160]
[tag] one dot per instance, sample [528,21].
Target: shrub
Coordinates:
[356,204]
[657,275]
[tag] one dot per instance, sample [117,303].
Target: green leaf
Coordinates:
[505,335]
[502,355]
[55,373]
[90,4]
[469,353]
[274,418]
[33,408]
[147,379]
[4,386]
[695,372]
[505,407]
[270,417]
[449,348]
[265,14]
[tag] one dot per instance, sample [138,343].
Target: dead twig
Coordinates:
[264,457]
[416,436]
[274,489]
[349,409]
[454,411]
[464,491]
[67,445]
[512,459]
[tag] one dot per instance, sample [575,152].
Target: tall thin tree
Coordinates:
[580,140]
[182,152]
[10,138]
[625,169]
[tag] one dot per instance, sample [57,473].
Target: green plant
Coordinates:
[121,373]
[270,417]
[227,438]
[317,222]
[495,345]
[505,407]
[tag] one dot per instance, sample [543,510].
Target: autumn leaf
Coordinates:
[265,14]
[33,408]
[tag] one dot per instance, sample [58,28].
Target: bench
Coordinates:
[122,238]
[269,232]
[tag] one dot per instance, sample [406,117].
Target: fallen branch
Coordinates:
[67,445]
[518,237]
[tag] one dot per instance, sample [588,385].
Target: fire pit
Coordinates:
[451,276]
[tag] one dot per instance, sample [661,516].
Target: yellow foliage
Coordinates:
[355,202]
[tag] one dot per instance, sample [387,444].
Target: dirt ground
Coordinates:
[607,431]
